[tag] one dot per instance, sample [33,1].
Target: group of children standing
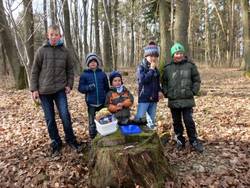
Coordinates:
[52,78]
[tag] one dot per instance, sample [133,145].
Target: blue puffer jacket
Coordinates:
[94,95]
[149,83]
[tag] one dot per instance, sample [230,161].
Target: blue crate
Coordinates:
[130,129]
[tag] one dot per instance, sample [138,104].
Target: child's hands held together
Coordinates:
[120,106]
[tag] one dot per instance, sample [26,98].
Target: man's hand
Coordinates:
[67,90]
[35,95]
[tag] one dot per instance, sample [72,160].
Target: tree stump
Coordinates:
[126,161]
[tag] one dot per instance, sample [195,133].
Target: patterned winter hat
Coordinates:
[151,49]
[92,56]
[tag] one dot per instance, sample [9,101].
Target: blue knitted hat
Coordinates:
[151,49]
[92,56]
[113,75]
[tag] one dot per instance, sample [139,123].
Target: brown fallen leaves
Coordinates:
[221,116]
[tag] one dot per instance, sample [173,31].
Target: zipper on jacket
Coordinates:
[96,87]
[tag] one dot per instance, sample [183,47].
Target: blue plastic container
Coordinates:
[130,129]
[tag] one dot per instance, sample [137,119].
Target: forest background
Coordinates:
[215,34]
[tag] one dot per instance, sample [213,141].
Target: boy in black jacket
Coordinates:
[181,82]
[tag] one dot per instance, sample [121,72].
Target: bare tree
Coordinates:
[231,27]
[132,47]
[181,23]
[97,35]
[207,34]
[45,22]
[246,40]
[52,12]
[85,29]
[3,61]
[107,40]
[29,32]
[116,6]
[68,38]
[165,39]
[91,28]
[11,50]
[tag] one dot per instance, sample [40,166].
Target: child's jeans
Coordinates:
[47,102]
[148,109]
[91,113]
[187,115]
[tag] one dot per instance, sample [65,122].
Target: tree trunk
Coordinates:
[91,37]
[127,47]
[181,23]
[172,20]
[116,6]
[52,12]
[165,38]
[3,63]
[127,161]
[45,21]
[122,44]
[231,33]
[29,33]
[190,34]
[107,46]
[246,37]
[132,47]
[76,28]
[207,34]
[68,38]
[85,28]
[97,32]
[11,51]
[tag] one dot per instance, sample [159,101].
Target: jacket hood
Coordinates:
[60,43]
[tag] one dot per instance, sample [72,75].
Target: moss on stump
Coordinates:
[126,161]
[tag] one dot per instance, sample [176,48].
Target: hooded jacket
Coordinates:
[181,82]
[94,95]
[52,69]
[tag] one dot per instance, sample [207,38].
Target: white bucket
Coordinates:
[106,129]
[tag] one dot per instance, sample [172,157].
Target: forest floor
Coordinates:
[221,115]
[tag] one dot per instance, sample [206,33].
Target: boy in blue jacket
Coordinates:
[149,90]
[94,84]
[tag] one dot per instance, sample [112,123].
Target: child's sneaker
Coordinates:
[197,146]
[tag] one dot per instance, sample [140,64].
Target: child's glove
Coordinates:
[91,87]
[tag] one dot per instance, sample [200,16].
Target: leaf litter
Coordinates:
[222,121]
